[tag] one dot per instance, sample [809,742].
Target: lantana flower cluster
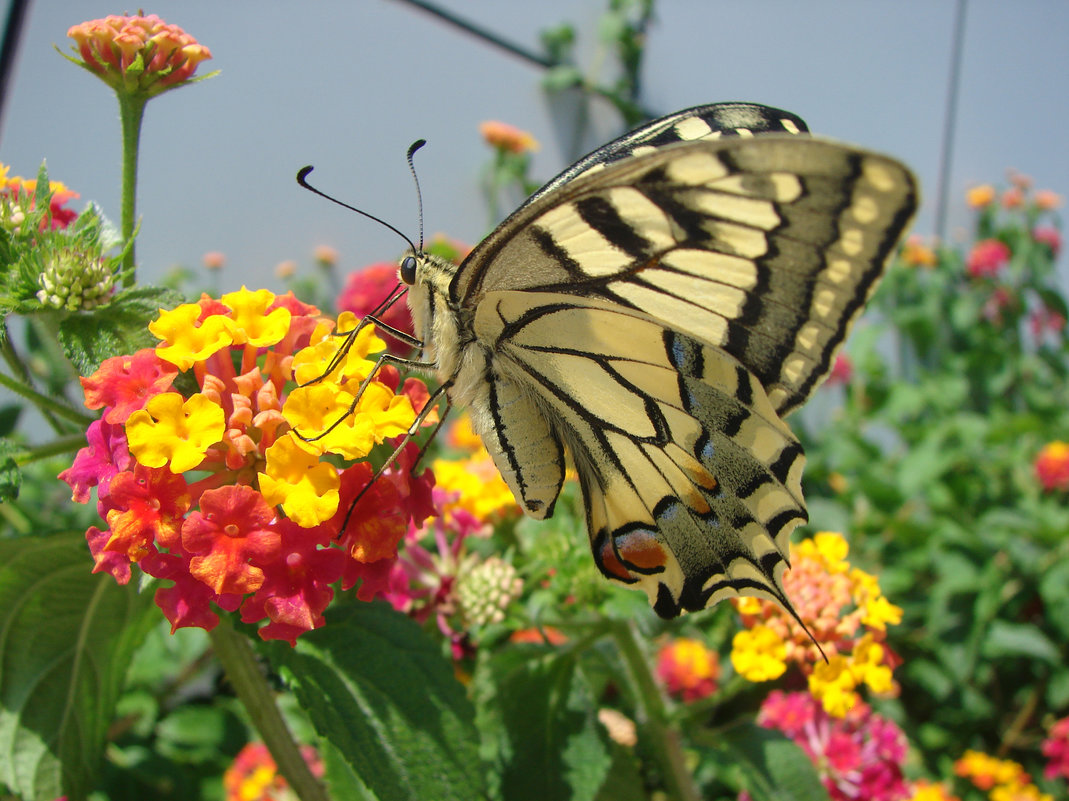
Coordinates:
[18,199]
[215,461]
[139,53]
[858,755]
[1002,779]
[845,612]
[688,668]
[1052,466]
[254,776]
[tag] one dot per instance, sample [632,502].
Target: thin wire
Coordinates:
[949,121]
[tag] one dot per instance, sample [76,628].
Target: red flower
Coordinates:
[144,507]
[1056,749]
[987,258]
[126,383]
[365,289]
[233,538]
[688,669]
[1052,466]
[97,464]
[841,370]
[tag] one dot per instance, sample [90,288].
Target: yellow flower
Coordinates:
[833,684]
[171,432]
[879,612]
[306,488]
[867,667]
[916,254]
[927,791]
[253,324]
[187,343]
[474,485]
[758,654]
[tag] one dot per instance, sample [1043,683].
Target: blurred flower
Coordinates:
[1019,179]
[621,728]
[1001,301]
[1047,200]
[845,613]
[213,260]
[137,54]
[928,791]
[1052,466]
[253,775]
[18,198]
[1012,198]
[1056,750]
[841,370]
[986,771]
[450,249]
[543,634]
[859,756]
[485,590]
[988,256]
[1045,320]
[688,668]
[507,138]
[917,254]
[325,256]
[1050,236]
[219,535]
[365,289]
[980,196]
[285,269]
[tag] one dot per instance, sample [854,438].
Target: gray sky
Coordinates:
[347,85]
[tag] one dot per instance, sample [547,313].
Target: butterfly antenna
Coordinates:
[303,173]
[419,195]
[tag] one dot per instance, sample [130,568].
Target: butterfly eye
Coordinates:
[408,270]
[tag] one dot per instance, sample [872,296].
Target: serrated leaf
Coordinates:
[773,767]
[121,327]
[1019,639]
[379,690]
[537,714]
[67,639]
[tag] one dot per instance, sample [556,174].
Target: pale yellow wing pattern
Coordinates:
[766,247]
[692,482]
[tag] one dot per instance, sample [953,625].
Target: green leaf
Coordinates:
[379,690]
[1019,639]
[121,327]
[537,714]
[773,767]
[67,639]
[10,474]
[565,76]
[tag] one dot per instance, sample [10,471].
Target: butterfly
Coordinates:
[652,314]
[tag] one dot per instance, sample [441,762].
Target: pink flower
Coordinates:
[987,257]
[857,757]
[1050,236]
[365,289]
[1052,466]
[1056,750]
[841,370]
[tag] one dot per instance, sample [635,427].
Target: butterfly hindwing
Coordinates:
[692,483]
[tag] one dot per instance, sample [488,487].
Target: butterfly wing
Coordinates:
[692,482]
[766,247]
[657,316]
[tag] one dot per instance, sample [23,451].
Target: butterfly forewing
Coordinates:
[655,311]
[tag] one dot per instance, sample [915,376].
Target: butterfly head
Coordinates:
[428,277]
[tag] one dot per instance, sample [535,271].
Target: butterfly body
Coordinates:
[654,312]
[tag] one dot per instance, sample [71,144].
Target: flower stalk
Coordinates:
[131,113]
[248,681]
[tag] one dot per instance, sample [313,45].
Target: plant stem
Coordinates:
[653,717]
[131,112]
[256,695]
[46,404]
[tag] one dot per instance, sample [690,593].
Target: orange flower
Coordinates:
[137,54]
[1047,200]
[1052,466]
[980,196]
[507,138]
[916,254]
[688,669]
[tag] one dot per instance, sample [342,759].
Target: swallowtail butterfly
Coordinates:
[654,312]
